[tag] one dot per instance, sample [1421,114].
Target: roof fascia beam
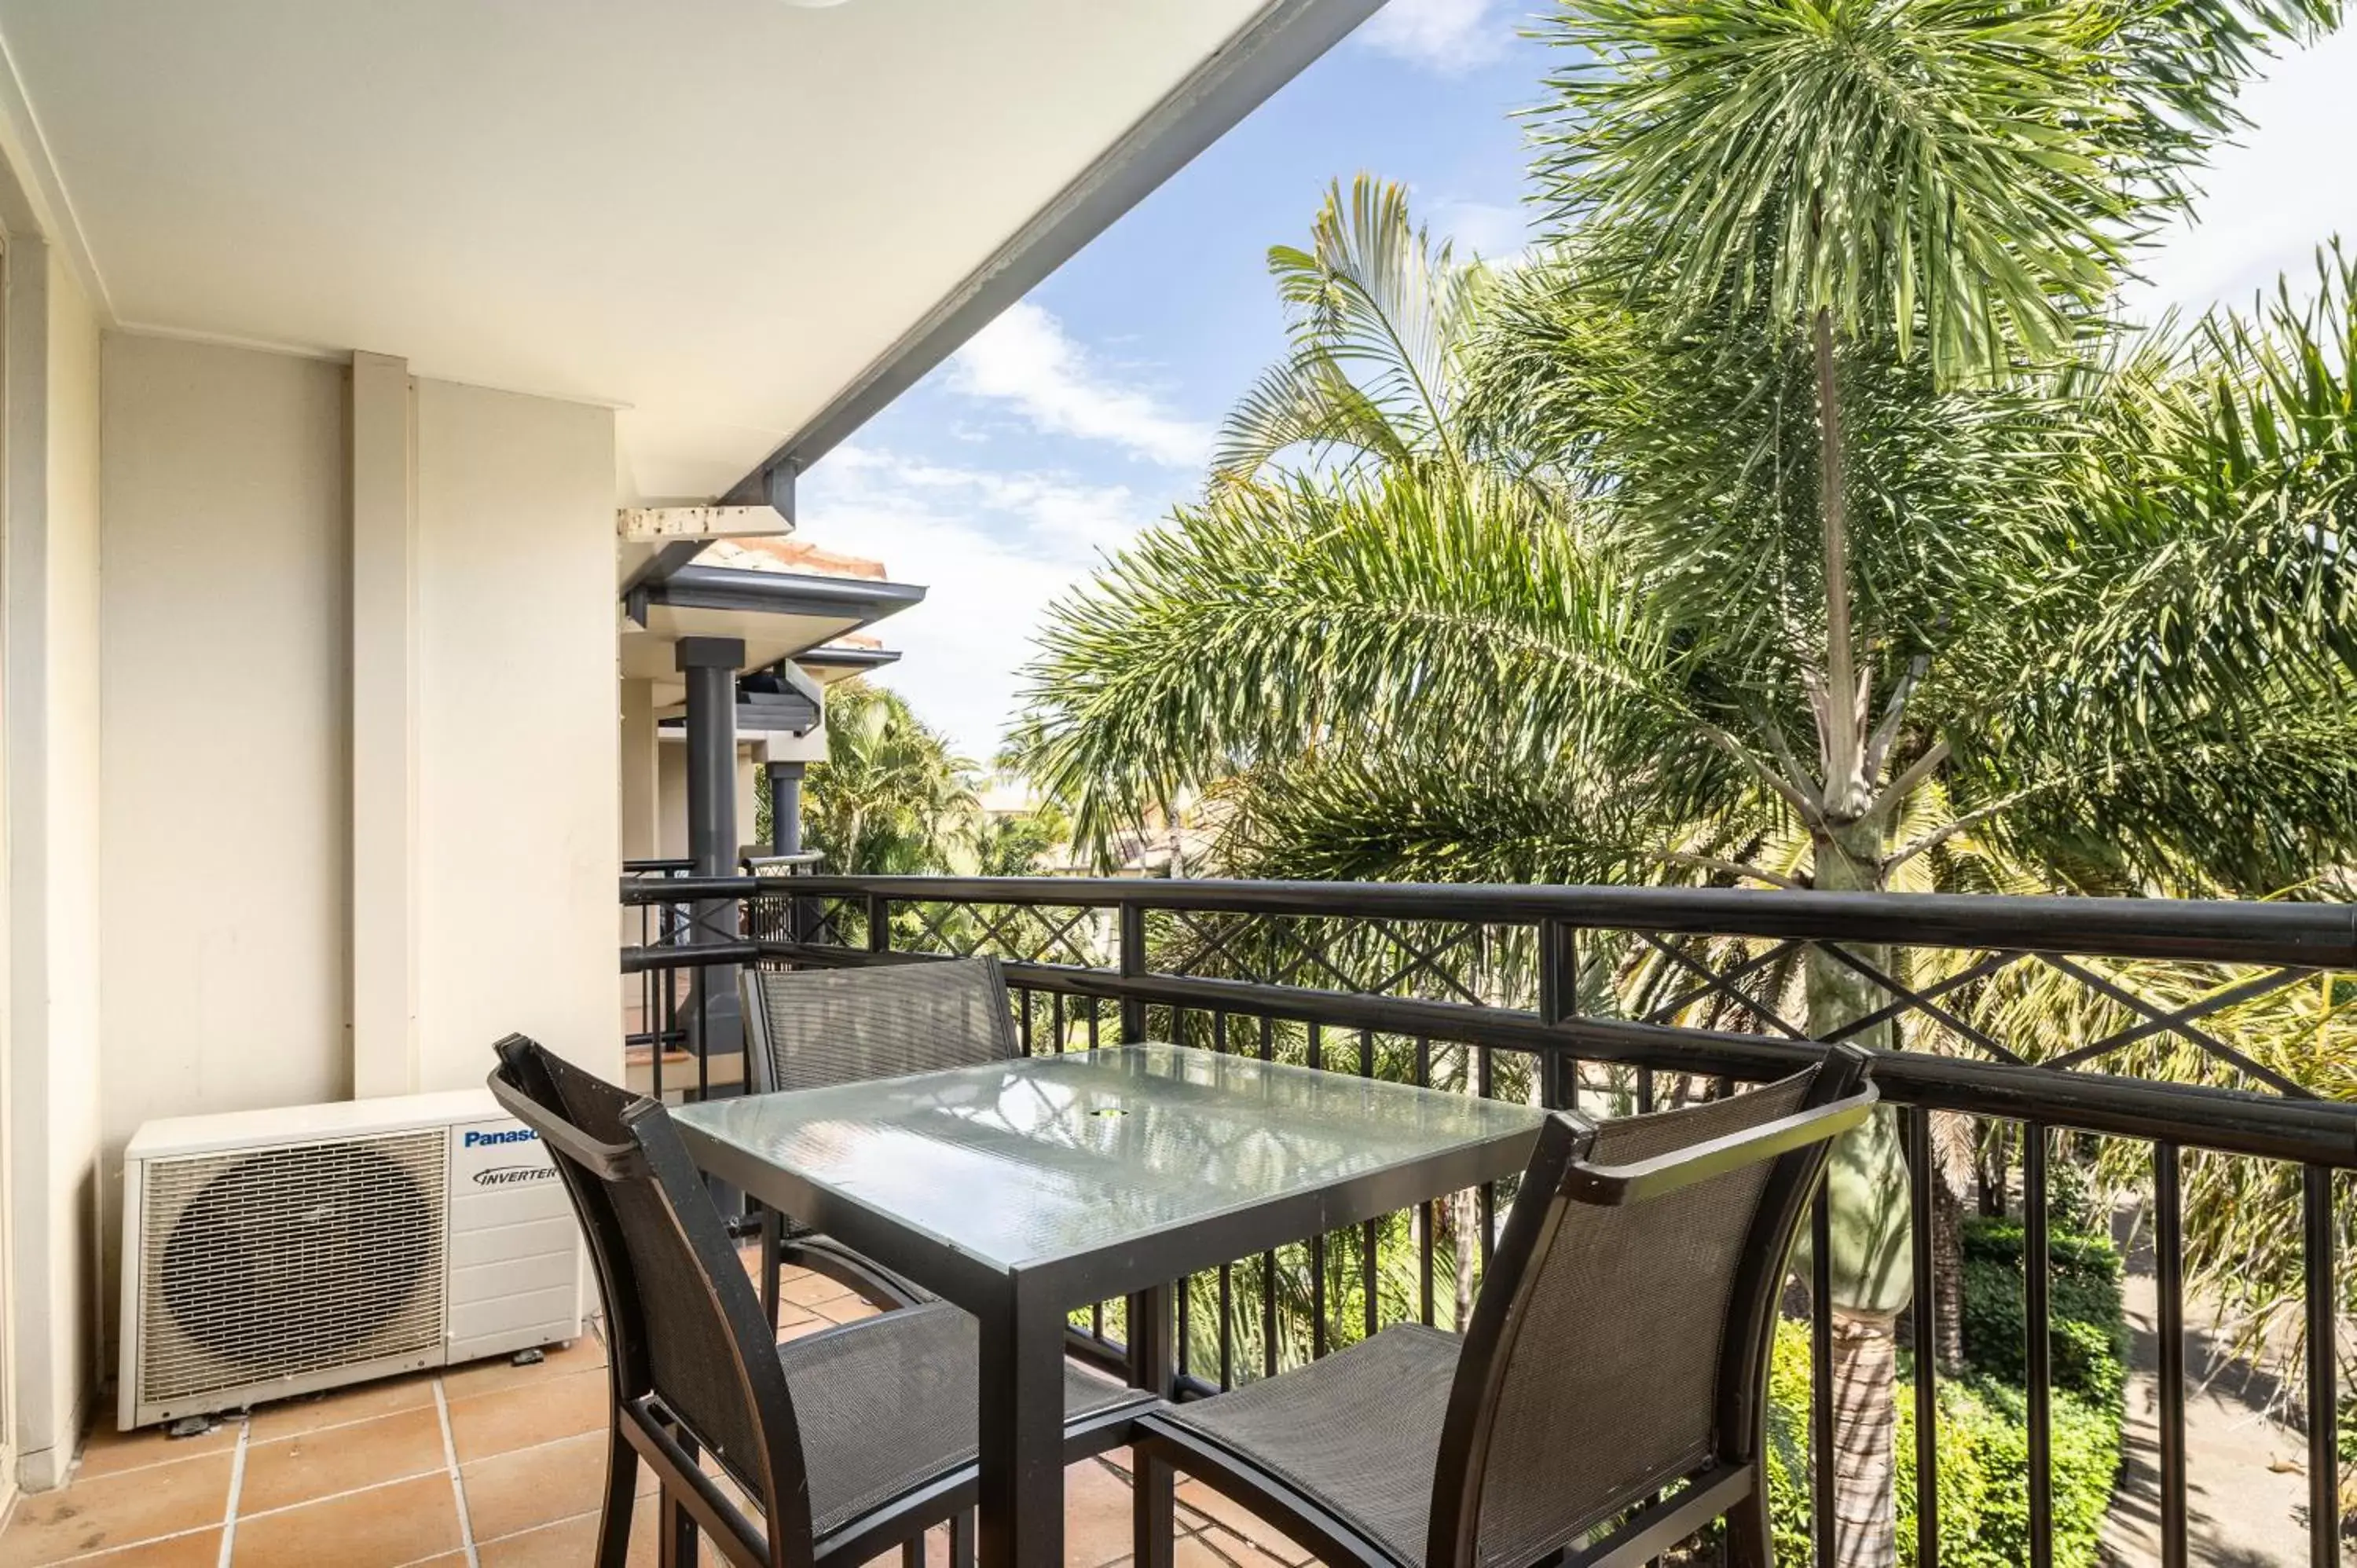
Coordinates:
[657,524]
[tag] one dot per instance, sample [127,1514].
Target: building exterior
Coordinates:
[357,360]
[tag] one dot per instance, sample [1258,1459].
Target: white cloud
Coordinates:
[1447,36]
[1497,232]
[1026,359]
[992,549]
[2270,202]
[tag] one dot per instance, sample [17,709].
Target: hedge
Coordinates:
[1984,1436]
[2089,1342]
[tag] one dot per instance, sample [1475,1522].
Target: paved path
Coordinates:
[2246,1481]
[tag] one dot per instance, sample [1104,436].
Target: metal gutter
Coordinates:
[1268,52]
[826,656]
[778,593]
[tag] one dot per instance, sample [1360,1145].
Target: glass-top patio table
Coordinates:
[1024,1189]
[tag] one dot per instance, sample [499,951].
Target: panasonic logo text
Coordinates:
[519,1135]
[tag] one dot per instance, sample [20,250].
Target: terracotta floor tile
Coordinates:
[117,1511]
[198,1549]
[806,1289]
[1096,1515]
[936,1553]
[508,1493]
[585,1354]
[374,1529]
[1237,1520]
[530,1415]
[107,1452]
[796,1330]
[1218,1549]
[569,1543]
[848,1309]
[341,1459]
[365,1402]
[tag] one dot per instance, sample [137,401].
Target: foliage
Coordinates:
[1983,1459]
[2113,698]
[2088,1341]
[891,799]
[1935,168]
[1380,319]
[1020,843]
[1983,1446]
[1804,517]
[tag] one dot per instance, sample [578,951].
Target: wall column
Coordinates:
[715,1026]
[710,665]
[384,676]
[640,774]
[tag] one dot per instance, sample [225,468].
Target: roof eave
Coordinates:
[1266,55]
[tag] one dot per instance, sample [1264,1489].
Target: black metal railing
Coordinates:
[2166,1063]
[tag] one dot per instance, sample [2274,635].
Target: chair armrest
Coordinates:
[1609,1185]
[611,1161]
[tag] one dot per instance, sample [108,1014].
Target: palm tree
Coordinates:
[2109,598]
[891,798]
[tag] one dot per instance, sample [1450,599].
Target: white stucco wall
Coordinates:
[228,909]
[518,777]
[224,791]
[54,833]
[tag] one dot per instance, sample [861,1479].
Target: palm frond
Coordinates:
[1378,315]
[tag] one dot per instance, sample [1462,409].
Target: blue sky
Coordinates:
[1086,412]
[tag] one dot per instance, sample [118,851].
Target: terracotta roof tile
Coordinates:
[788,555]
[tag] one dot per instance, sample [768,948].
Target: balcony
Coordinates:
[1610,1000]
[2166,1095]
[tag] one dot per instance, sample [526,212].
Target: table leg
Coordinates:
[1153,1366]
[1021,1432]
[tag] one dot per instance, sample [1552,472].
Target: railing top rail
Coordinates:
[2320,936]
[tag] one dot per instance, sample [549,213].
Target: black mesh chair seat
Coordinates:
[1608,1397]
[887,1405]
[1355,1432]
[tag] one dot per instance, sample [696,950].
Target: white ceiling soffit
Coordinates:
[744,222]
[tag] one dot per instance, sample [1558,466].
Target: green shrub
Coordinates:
[2089,1335]
[1984,1443]
[1984,1497]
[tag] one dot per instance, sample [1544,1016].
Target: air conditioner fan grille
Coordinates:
[259,1264]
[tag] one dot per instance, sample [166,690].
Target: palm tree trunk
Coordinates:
[1841,722]
[1865,1406]
[1465,1227]
[1870,1274]
[1871,1269]
[1947,1270]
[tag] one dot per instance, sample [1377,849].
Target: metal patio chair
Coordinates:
[1608,1397]
[812,1028]
[845,1442]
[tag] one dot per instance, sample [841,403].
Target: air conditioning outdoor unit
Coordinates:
[270,1253]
